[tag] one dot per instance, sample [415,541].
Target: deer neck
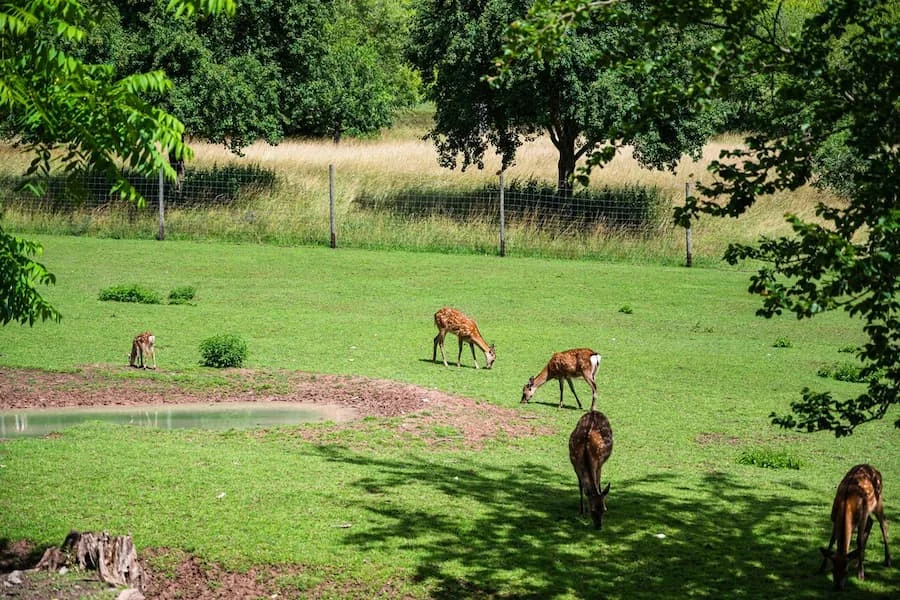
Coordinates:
[541,378]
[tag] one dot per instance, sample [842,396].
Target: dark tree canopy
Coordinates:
[827,115]
[569,95]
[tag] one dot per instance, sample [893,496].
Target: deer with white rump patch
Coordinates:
[858,498]
[453,321]
[141,349]
[565,365]
[589,447]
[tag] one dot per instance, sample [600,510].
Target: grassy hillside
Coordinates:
[688,378]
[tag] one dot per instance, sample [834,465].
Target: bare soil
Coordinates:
[413,411]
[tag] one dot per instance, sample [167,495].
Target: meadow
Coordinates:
[688,378]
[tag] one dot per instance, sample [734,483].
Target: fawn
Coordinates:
[141,348]
[858,498]
[589,447]
[564,366]
[452,320]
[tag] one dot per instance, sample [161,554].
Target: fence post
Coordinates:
[161,234]
[502,217]
[689,254]
[331,204]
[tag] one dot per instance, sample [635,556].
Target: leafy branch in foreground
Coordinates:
[826,115]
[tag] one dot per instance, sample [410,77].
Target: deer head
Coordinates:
[598,507]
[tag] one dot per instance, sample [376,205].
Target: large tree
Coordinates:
[78,114]
[566,95]
[832,119]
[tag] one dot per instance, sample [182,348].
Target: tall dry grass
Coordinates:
[297,211]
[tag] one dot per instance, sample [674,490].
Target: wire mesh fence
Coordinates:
[241,203]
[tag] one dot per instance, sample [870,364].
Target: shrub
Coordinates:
[626,310]
[130,293]
[782,342]
[768,458]
[182,295]
[849,349]
[848,372]
[222,351]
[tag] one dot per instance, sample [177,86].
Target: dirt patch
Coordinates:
[435,417]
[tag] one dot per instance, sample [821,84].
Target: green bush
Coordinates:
[626,309]
[130,293]
[849,349]
[768,458]
[182,295]
[782,342]
[222,351]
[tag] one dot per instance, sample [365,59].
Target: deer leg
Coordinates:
[459,356]
[827,553]
[474,358]
[439,341]
[572,387]
[862,536]
[561,401]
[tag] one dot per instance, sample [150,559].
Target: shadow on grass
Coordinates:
[722,539]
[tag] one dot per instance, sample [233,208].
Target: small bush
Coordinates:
[182,295]
[130,293]
[767,458]
[849,349]
[782,342]
[222,351]
[841,372]
[626,310]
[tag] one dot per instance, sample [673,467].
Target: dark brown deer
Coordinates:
[589,447]
[858,498]
[579,362]
[142,349]
[453,321]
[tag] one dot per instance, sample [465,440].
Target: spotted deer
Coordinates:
[564,366]
[453,321]
[858,498]
[589,448]
[141,349]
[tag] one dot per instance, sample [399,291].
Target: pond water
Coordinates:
[218,416]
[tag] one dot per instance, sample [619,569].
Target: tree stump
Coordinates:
[113,557]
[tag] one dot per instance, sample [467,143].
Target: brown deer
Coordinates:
[589,447]
[452,320]
[141,349]
[564,366]
[858,498]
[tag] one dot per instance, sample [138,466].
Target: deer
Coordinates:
[564,366]
[858,498]
[590,445]
[142,348]
[451,320]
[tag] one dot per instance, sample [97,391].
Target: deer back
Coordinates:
[570,362]
[450,319]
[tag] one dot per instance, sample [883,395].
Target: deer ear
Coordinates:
[853,555]
[826,553]
[531,381]
[605,491]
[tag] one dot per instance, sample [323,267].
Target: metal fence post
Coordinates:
[502,217]
[161,234]
[331,204]
[689,254]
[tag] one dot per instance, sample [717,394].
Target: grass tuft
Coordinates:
[768,458]
[130,293]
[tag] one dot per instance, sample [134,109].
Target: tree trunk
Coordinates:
[565,168]
[114,557]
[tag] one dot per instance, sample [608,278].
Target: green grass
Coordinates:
[688,378]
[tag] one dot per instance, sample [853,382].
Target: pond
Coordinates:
[217,416]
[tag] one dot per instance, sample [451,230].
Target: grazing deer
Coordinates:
[142,348]
[452,320]
[564,366]
[589,447]
[858,498]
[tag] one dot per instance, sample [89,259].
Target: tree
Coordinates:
[566,95]
[56,102]
[832,119]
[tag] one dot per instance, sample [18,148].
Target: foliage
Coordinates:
[833,91]
[19,274]
[130,293]
[569,95]
[782,342]
[626,309]
[182,294]
[223,351]
[53,100]
[768,458]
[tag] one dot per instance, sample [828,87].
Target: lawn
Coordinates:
[688,378]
